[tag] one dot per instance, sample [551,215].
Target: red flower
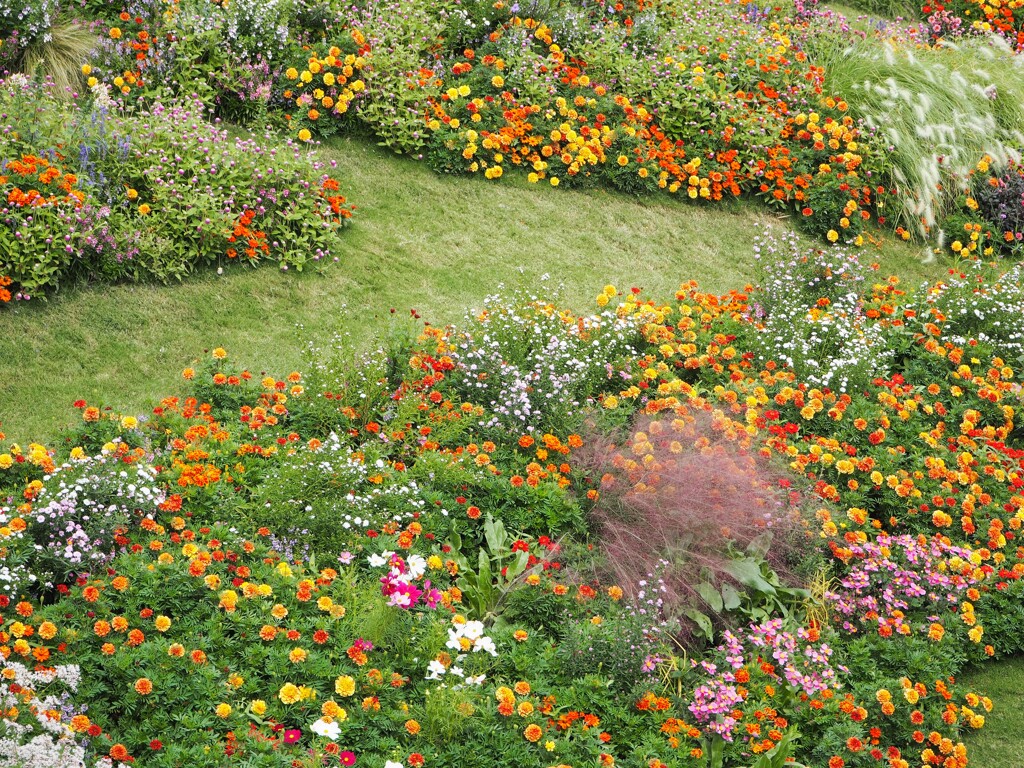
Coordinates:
[156,744]
[416,759]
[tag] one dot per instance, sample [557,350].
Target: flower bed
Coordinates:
[384,564]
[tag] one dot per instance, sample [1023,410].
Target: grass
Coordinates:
[436,244]
[941,111]
[999,743]
[60,57]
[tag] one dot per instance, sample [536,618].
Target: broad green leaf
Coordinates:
[730,597]
[710,595]
[748,573]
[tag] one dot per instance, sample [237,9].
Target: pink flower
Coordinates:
[347,758]
[292,735]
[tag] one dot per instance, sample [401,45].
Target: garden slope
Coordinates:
[421,241]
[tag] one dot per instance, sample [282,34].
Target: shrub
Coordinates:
[999,200]
[152,196]
[976,304]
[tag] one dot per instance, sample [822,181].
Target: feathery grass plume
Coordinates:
[59,56]
[681,490]
[940,110]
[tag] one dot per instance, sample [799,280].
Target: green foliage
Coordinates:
[753,594]
[614,651]
[496,571]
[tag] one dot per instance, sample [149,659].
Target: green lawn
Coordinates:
[1000,744]
[437,244]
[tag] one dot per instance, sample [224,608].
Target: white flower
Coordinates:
[473,630]
[434,670]
[393,764]
[330,730]
[486,644]
[378,561]
[417,566]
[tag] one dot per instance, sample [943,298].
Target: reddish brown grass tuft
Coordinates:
[680,489]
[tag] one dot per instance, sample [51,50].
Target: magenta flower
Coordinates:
[347,758]
[292,735]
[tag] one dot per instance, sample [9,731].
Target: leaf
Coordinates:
[710,595]
[484,577]
[702,621]
[518,566]
[717,757]
[730,597]
[759,545]
[494,532]
[748,573]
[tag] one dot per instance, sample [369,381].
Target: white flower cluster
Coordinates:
[15,575]
[469,636]
[464,637]
[257,28]
[31,19]
[531,365]
[972,304]
[41,740]
[79,507]
[366,505]
[809,314]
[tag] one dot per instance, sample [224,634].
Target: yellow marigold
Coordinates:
[223,710]
[345,686]
[289,694]
[259,707]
